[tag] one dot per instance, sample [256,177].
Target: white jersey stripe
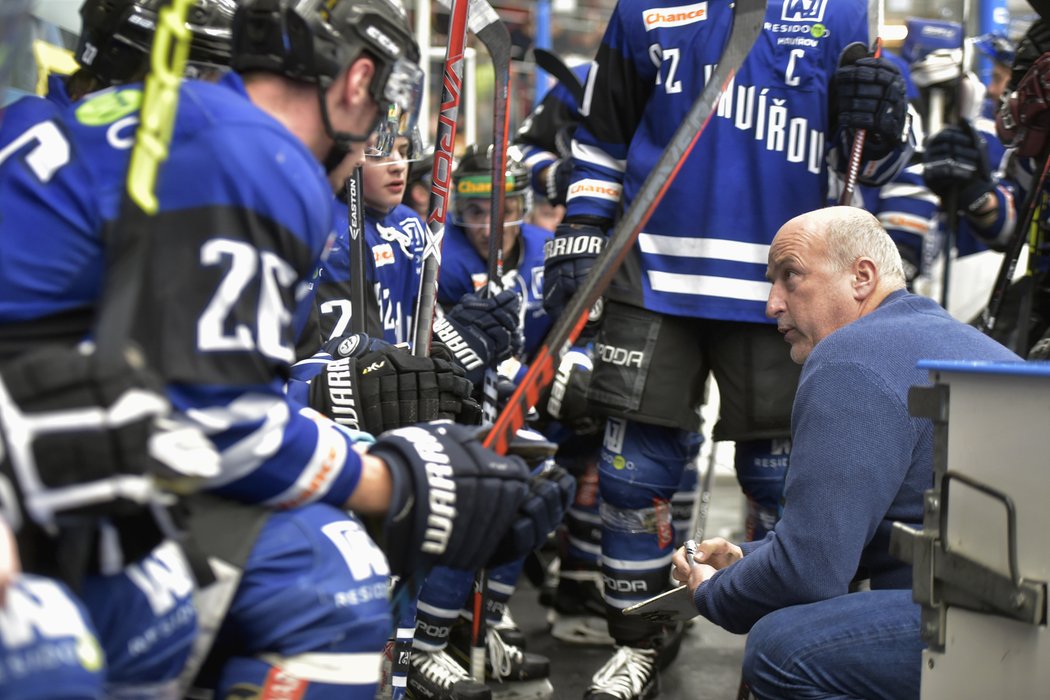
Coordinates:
[714,248]
[597,156]
[643,565]
[324,467]
[331,668]
[706,285]
[916,192]
[539,157]
[246,455]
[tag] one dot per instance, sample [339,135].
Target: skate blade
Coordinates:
[539,689]
[580,630]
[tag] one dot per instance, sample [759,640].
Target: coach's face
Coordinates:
[810,297]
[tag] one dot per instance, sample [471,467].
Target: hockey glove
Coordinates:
[566,399]
[869,93]
[550,495]
[1034,44]
[387,388]
[568,259]
[1023,120]
[84,440]
[482,331]
[956,159]
[453,501]
[556,179]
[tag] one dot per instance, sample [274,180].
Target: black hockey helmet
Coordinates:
[472,180]
[116,36]
[313,41]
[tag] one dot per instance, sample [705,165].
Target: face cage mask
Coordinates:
[459,219]
[404,92]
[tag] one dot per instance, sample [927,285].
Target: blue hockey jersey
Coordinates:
[463,271]
[244,218]
[760,162]
[394,267]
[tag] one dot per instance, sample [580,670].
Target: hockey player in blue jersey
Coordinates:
[689,300]
[49,647]
[244,162]
[144,613]
[440,647]
[576,610]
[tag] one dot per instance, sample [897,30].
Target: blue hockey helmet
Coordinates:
[996,47]
[116,36]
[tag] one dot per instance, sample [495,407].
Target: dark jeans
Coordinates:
[860,645]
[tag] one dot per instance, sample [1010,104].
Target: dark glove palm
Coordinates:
[568,259]
[870,94]
[481,331]
[956,159]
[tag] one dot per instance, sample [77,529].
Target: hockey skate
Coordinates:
[508,629]
[435,675]
[631,674]
[511,673]
[577,613]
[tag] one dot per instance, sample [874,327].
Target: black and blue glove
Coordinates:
[481,331]
[568,259]
[556,180]
[869,93]
[565,400]
[375,386]
[456,503]
[956,159]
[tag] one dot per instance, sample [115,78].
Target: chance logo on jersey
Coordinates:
[674,16]
[803,10]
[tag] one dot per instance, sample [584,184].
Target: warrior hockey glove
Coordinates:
[566,399]
[387,387]
[1023,121]
[568,259]
[956,159]
[556,179]
[869,93]
[458,504]
[481,331]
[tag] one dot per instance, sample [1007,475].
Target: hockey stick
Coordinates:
[857,148]
[493,34]
[444,146]
[1018,238]
[553,65]
[356,229]
[490,30]
[747,23]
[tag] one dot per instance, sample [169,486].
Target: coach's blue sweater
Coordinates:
[859,462]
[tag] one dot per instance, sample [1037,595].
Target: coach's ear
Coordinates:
[865,278]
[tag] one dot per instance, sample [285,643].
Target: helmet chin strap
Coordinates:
[342,141]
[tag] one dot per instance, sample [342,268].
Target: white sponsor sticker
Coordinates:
[803,10]
[674,16]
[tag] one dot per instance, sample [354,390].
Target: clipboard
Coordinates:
[675,605]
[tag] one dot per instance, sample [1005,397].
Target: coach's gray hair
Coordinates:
[853,233]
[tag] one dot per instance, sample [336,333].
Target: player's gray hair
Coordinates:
[855,233]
